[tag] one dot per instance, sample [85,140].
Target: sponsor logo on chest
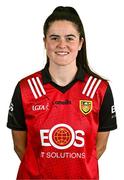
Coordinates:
[65,102]
[62,136]
[40,107]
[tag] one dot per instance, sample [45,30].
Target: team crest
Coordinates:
[85,106]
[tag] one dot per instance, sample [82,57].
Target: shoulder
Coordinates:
[94,85]
[30,79]
[31,76]
[32,85]
[94,79]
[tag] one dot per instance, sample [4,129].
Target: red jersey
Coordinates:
[61,129]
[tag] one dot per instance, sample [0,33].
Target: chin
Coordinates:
[63,63]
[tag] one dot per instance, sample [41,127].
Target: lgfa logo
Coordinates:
[62,136]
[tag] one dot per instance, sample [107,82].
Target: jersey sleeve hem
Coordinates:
[15,128]
[104,129]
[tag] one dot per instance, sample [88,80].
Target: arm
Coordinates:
[19,140]
[101,142]
[107,121]
[16,122]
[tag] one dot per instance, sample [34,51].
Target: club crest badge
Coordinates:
[85,106]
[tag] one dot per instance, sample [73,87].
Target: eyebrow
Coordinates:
[68,35]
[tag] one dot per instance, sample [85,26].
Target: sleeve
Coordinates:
[107,114]
[16,117]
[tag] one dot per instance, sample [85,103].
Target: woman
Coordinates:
[61,116]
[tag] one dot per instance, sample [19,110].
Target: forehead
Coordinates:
[62,27]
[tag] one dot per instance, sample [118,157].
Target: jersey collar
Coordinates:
[46,77]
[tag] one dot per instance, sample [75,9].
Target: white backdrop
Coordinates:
[22,53]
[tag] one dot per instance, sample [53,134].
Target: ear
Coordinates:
[81,43]
[44,40]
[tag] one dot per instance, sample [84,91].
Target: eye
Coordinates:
[54,38]
[70,39]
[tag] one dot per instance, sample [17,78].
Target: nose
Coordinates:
[62,43]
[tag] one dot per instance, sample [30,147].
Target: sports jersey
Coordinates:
[62,124]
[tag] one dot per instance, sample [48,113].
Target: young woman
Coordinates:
[61,116]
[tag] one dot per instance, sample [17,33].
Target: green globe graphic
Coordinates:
[62,136]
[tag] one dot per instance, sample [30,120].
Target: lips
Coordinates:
[62,53]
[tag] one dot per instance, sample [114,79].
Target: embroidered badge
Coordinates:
[85,106]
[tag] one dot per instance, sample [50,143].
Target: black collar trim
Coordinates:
[46,77]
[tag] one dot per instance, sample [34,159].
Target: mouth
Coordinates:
[62,53]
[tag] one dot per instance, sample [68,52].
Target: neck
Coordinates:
[62,75]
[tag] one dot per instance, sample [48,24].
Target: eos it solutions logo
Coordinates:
[11,107]
[62,136]
[113,109]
